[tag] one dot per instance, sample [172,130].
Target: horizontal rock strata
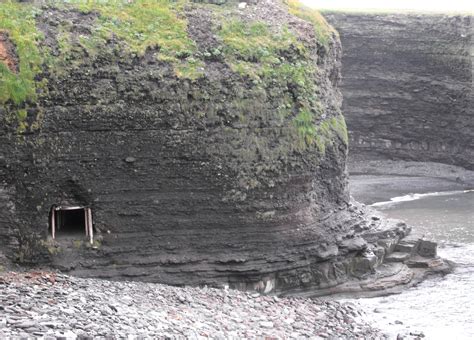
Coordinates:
[408,86]
[190,180]
[198,170]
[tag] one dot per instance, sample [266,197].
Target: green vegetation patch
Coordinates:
[253,42]
[330,129]
[305,127]
[141,24]
[18,21]
[320,135]
[272,59]
[252,49]
[144,24]
[340,128]
[322,29]
[277,58]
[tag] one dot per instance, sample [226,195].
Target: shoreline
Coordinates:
[372,181]
[379,181]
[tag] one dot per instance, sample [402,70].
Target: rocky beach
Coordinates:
[47,305]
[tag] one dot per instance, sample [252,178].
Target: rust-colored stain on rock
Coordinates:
[7,54]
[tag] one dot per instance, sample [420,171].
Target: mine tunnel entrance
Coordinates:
[71,221]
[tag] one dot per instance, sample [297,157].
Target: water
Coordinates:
[447,217]
[441,307]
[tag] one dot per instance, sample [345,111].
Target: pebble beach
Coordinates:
[46,305]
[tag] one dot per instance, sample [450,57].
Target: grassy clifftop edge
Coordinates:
[254,50]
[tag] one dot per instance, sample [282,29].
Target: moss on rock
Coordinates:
[18,20]
[322,29]
[266,54]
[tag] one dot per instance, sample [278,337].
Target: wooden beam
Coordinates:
[86,221]
[91,229]
[53,223]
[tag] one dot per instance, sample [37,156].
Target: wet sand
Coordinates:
[375,181]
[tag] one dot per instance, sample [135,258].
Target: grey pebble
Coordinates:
[88,309]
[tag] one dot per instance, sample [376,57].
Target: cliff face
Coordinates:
[408,86]
[211,154]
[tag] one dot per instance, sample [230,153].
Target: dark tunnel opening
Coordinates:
[70,221]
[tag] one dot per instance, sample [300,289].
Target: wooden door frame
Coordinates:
[88,226]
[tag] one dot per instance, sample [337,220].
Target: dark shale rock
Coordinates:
[190,182]
[91,309]
[354,244]
[397,257]
[407,86]
[427,248]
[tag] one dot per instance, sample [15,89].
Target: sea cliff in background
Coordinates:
[408,86]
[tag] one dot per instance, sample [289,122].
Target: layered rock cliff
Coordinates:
[207,141]
[408,86]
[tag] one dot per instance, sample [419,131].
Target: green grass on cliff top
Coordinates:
[154,23]
[269,55]
[252,49]
[322,29]
[18,20]
[142,24]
